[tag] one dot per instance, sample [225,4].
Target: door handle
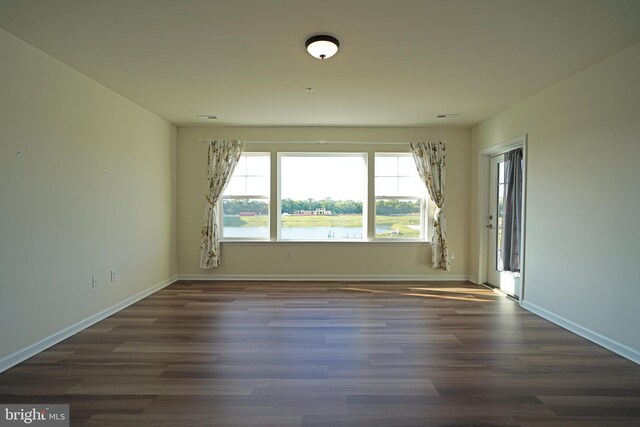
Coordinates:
[490,226]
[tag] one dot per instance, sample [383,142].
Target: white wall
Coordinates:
[94,189]
[583,197]
[320,260]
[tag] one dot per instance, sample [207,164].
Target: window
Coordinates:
[400,198]
[245,201]
[322,196]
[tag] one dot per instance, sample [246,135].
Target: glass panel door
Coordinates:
[506,281]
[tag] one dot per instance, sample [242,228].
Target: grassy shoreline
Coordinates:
[398,225]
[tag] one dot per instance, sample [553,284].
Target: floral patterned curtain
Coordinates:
[430,158]
[222,159]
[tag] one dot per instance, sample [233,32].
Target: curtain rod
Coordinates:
[320,142]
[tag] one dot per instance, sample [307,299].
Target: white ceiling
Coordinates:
[400,63]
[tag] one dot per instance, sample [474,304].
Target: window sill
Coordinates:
[324,241]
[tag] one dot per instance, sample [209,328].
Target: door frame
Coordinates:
[483,183]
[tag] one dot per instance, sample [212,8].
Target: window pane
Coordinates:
[241,167]
[245,218]
[407,166]
[236,186]
[322,197]
[501,172]
[400,215]
[250,177]
[258,186]
[386,186]
[398,219]
[412,187]
[258,165]
[386,165]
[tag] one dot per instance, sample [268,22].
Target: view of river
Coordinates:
[300,233]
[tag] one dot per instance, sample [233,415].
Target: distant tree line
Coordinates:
[337,207]
[397,207]
[236,206]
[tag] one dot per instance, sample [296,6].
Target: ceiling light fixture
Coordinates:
[322,46]
[208,117]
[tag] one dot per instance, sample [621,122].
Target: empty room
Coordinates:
[319,213]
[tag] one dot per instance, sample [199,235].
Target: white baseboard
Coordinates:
[618,348]
[27,352]
[325,277]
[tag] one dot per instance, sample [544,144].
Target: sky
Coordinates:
[335,176]
[340,177]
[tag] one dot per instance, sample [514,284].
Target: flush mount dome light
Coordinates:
[322,46]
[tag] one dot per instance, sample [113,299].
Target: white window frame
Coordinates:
[424,204]
[266,198]
[365,194]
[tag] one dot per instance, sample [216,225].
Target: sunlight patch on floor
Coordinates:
[464,294]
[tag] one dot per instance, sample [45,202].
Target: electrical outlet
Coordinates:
[288,256]
[94,281]
[114,275]
[453,254]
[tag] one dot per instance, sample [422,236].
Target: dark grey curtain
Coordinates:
[510,250]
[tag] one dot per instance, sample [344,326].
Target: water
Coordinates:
[321,233]
[300,233]
[246,232]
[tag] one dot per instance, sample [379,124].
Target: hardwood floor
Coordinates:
[329,354]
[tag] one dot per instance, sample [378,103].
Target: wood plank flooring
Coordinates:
[329,354]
